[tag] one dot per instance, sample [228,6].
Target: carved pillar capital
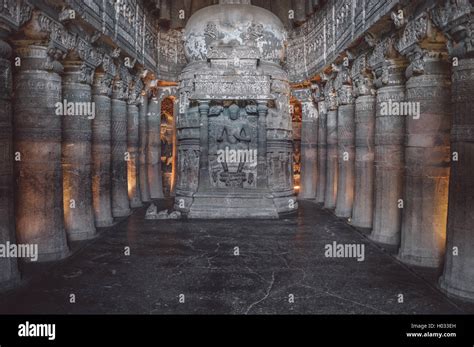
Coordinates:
[5,48]
[262,107]
[102,84]
[454,18]
[39,57]
[362,76]
[421,43]
[317,92]
[135,90]
[330,92]
[78,71]
[305,97]
[119,89]
[387,64]
[343,85]
[121,84]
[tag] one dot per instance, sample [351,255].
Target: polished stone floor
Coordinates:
[194,267]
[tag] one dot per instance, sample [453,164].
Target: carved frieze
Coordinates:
[15,13]
[231,87]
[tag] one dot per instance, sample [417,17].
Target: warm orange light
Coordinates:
[131,178]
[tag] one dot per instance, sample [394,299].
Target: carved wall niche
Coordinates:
[233,145]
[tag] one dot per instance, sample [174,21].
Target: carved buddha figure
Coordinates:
[235,136]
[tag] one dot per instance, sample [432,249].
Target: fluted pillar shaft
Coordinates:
[9,274]
[427,156]
[389,155]
[37,139]
[101,150]
[331,140]
[76,153]
[142,157]
[120,202]
[174,179]
[362,211]
[309,135]
[322,152]
[346,152]
[133,150]
[155,179]
[458,274]
[363,208]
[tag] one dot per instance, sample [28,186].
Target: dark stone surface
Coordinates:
[120,202]
[458,276]
[76,154]
[8,267]
[427,167]
[277,258]
[37,137]
[101,151]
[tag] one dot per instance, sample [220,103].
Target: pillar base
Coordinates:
[454,292]
[104,223]
[386,240]
[359,223]
[121,213]
[136,204]
[343,213]
[82,236]
[59,255]
[419,260]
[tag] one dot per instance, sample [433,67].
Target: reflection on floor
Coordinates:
[234,267]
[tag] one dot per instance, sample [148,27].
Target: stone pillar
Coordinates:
[76,152]
[346,147]
[37,140]
[389,143]
[204,134]
[309,136]
[9,275]
[458,275]
[363,209]
[155,181]
[120,203]
[101,150]
[262,109]
[143,139]
[133,150]
[322,152]
[175,146]
[331,140]
[427,156]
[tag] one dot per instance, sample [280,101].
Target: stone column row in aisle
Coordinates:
[80,147]
[394,142]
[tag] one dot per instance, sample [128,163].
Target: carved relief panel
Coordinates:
[233,145]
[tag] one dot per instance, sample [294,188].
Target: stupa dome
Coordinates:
[235,24]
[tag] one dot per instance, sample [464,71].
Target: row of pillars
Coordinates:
[63,176]
[405,177]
